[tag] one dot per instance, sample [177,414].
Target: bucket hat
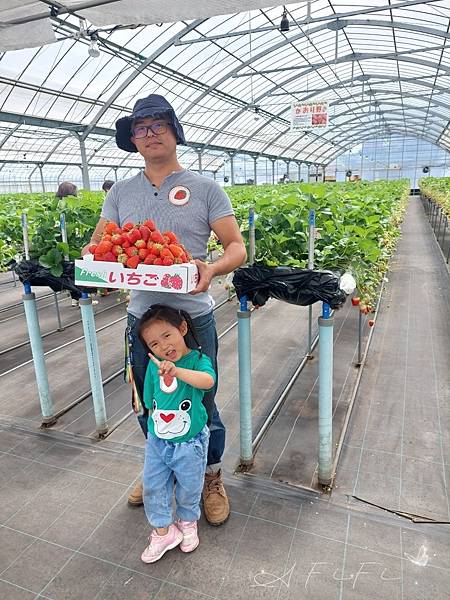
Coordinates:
[153,106]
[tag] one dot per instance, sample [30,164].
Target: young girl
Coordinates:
[177,440]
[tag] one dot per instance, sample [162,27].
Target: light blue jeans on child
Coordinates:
[166,460]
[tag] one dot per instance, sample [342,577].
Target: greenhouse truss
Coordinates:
[382,67]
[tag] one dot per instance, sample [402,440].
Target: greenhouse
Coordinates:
[225,300]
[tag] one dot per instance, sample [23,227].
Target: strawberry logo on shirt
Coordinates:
[179,195]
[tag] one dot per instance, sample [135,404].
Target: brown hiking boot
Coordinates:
[135,498]
[215,501]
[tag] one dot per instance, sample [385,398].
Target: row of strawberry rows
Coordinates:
[357,225]
[438,190]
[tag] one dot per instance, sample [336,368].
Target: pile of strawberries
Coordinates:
[141,243]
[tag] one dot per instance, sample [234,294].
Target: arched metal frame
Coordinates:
[203,99]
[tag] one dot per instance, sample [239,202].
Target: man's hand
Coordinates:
[205,274]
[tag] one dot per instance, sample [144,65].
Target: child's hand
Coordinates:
[165,367]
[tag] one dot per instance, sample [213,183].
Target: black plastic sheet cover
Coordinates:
[30,271]
[290,284]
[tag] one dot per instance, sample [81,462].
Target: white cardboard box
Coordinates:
[180,279]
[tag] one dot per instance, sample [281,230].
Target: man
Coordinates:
[191,206]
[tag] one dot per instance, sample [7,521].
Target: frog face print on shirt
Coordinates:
[172,423]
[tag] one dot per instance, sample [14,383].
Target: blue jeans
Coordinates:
[207,335]
[165,460]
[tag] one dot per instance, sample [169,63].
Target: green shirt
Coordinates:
[180,415]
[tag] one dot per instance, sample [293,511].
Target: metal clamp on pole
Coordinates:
[40,369]
[90,338]
[245,383]
[325,396]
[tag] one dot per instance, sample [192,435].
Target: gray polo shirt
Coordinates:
[136,199]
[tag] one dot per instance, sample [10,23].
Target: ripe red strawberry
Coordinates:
[131,251]
[116,250]
[156,249]
[134,235]
[117,238]
[167,262]
[165,252]
[126,243]
[110,227]
[92,248]
[172,237]
[110,257]
[165,281]
[140,244]
[145,232]
[157,237]
[150,224]
[103,247]
[143,252]
[106,237]
[133,262]
[355,301]
[176,250]
[149,259]
[158,261]
[176,282]
[127,227]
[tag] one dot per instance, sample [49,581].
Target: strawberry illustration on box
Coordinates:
[140,257]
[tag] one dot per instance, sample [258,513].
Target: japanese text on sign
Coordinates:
[309,115]
[133,279]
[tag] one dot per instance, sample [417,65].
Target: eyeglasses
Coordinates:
[141,131]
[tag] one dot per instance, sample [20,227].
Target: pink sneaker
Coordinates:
[190,536]
[159,544]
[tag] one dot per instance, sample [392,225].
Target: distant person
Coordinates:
[66,189]
[107,185]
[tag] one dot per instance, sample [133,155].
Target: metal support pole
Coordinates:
[34,331]
[232,168]
[255,162]
[440,223]
[311,236]
[273,171]
[26,243]
[84,165]
[360,324]
[245,383]
[443,233]
[200,166]
[288,175]
[58,314]
[90,338]
[251,235]
[62,226]
[42,176]
[325,396]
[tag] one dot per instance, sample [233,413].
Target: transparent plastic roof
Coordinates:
[382,65]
